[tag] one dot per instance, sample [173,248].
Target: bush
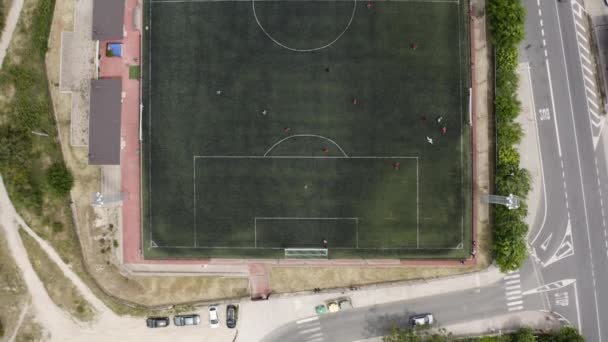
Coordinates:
[57,227]
[1,329]
[115,243]
[506,20]
[59,179]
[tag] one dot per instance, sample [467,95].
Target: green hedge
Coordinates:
[506,21]
[565,334]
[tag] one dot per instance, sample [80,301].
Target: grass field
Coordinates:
[279,124]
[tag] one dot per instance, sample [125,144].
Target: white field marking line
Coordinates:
[187,1]
[417,211]
[304,157]
[597,313]
[559,144]
[269,218]
[339,248]
[540,154]
[305,136]
[519,302]
[352,16]
[194,197]
[462,192]
[309,319]
[149,32]
[516,308]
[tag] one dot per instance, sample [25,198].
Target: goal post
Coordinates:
[306,253]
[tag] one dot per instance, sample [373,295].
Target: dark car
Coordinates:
[181,320]
[231,316]
[157,322]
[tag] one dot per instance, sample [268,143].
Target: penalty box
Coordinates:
[297,202]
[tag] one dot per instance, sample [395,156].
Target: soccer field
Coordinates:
[286,124]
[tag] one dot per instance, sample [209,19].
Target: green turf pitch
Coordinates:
[252,142]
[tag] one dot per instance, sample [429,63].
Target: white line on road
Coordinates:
[510,282]
[542,32]
[517,308]
[514,287]
[587,69]
[308,331]
[519,302]
[306,320]
[512,293]
[581,36]
[580,172]
[514,298]
[582,46]
[580,26]
[541,23]
[559,144]
[591,91]
[514,276]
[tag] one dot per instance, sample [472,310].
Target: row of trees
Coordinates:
[565,334]
[506,22]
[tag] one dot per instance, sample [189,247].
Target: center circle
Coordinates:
[299,22]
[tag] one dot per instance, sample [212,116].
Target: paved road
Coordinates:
[569,239]
[372,321]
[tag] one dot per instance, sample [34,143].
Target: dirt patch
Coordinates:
[31,330]
[294,279]
[60,289]
[13,292]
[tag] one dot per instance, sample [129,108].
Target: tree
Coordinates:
[506,19]
[524,335]
[1,329]
[568,334]
[59,179]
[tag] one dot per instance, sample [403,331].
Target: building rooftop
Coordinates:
[104,122]
[108,19]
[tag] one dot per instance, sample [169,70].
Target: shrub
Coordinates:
[57,227]
[59,179]
[115,243]
[1,329]
[506,20]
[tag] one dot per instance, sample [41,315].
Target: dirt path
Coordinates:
[107,326]
[54,320]
[22,315]
[9,28]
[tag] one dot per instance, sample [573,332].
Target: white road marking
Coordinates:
[559,144]
[519,302]
[514,287]
[514,276]
[514,297]
[517,308]
[310,319]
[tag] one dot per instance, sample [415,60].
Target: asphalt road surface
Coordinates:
[569,238]
[373,321]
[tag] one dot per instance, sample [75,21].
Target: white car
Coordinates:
[214,319]
[423,319]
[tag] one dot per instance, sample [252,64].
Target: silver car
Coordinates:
[181,320]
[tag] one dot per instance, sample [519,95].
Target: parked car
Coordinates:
[157,322]
[181,320]
[214,320]
[231,316]
[422,319]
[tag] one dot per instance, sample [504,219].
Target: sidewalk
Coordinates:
[261,317]
[529,149]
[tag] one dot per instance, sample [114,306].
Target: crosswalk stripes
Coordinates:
[513,294]
[309,329]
